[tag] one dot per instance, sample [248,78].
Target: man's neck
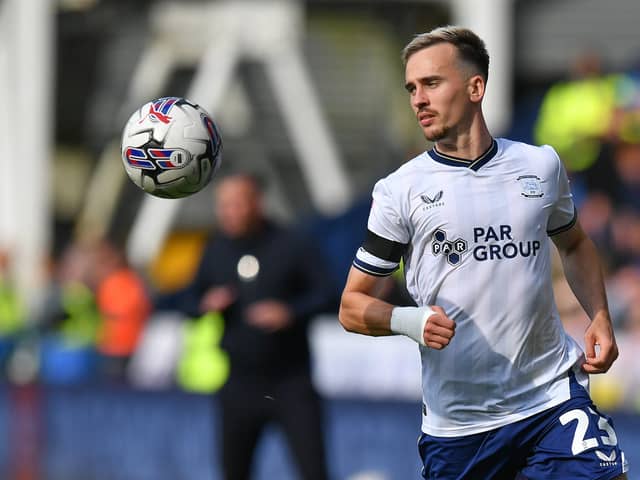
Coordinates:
[468,145]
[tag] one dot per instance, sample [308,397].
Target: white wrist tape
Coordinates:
[410,321]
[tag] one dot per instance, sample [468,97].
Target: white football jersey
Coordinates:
[474,236]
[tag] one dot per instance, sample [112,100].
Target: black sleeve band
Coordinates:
[566,227]
[384,248]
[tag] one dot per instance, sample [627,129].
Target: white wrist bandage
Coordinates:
[410,321]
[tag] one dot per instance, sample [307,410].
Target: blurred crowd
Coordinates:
[97,321]
[593,121]
[88,323]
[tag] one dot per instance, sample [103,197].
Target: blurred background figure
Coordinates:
[591,118]
[576,118]
[94,314]
[12,312]
[123,305]
[267,282]
[69,319]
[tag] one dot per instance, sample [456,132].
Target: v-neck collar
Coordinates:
[474,165]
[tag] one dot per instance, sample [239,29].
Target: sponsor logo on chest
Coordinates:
[492,242]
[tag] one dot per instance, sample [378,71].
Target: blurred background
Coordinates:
[309,95]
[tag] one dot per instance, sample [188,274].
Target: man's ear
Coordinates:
[476,88]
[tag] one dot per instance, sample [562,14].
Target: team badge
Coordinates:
[248,267]
[531,186]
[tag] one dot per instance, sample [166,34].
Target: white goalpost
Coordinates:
[26,131]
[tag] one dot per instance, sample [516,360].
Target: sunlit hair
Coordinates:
[471,48]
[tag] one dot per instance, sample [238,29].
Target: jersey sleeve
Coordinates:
[563,215]
[387,237]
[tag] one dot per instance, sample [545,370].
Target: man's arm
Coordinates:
[362,312]
[583,270]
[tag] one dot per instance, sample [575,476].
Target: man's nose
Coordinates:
[420,98]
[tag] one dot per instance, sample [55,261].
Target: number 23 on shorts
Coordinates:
[585,433]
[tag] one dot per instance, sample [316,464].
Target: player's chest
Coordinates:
[464,202]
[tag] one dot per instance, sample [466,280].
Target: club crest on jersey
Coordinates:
[531,186]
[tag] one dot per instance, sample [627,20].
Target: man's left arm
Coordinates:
[583,271]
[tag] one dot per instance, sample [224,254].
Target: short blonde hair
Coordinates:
[471,47]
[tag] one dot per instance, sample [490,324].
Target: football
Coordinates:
[171,147]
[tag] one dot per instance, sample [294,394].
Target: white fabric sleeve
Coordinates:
[563,215]
[386,236]
[385,218]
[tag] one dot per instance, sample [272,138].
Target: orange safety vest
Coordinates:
[124,306]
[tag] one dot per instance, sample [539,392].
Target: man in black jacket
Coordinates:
[267,281]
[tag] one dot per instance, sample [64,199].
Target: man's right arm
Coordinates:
[360,309]
[362,312]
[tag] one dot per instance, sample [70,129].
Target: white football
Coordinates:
[171,147]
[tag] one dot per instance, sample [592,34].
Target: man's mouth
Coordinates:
[425,119]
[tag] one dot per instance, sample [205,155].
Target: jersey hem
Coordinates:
[464,431]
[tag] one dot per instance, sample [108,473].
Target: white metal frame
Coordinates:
[268,32]
[26,130]
[215,37]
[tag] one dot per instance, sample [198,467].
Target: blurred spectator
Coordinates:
[69,319]
[626,121]
[267,282]
[625,229]
[593,121]
[96,304]
[624,285]
[124,306]
[11,310]
[627,172]
[596,213]
[576,118]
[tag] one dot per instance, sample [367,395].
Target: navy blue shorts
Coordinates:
[572,441]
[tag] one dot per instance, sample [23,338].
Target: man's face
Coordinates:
[439,91]
[238,206]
